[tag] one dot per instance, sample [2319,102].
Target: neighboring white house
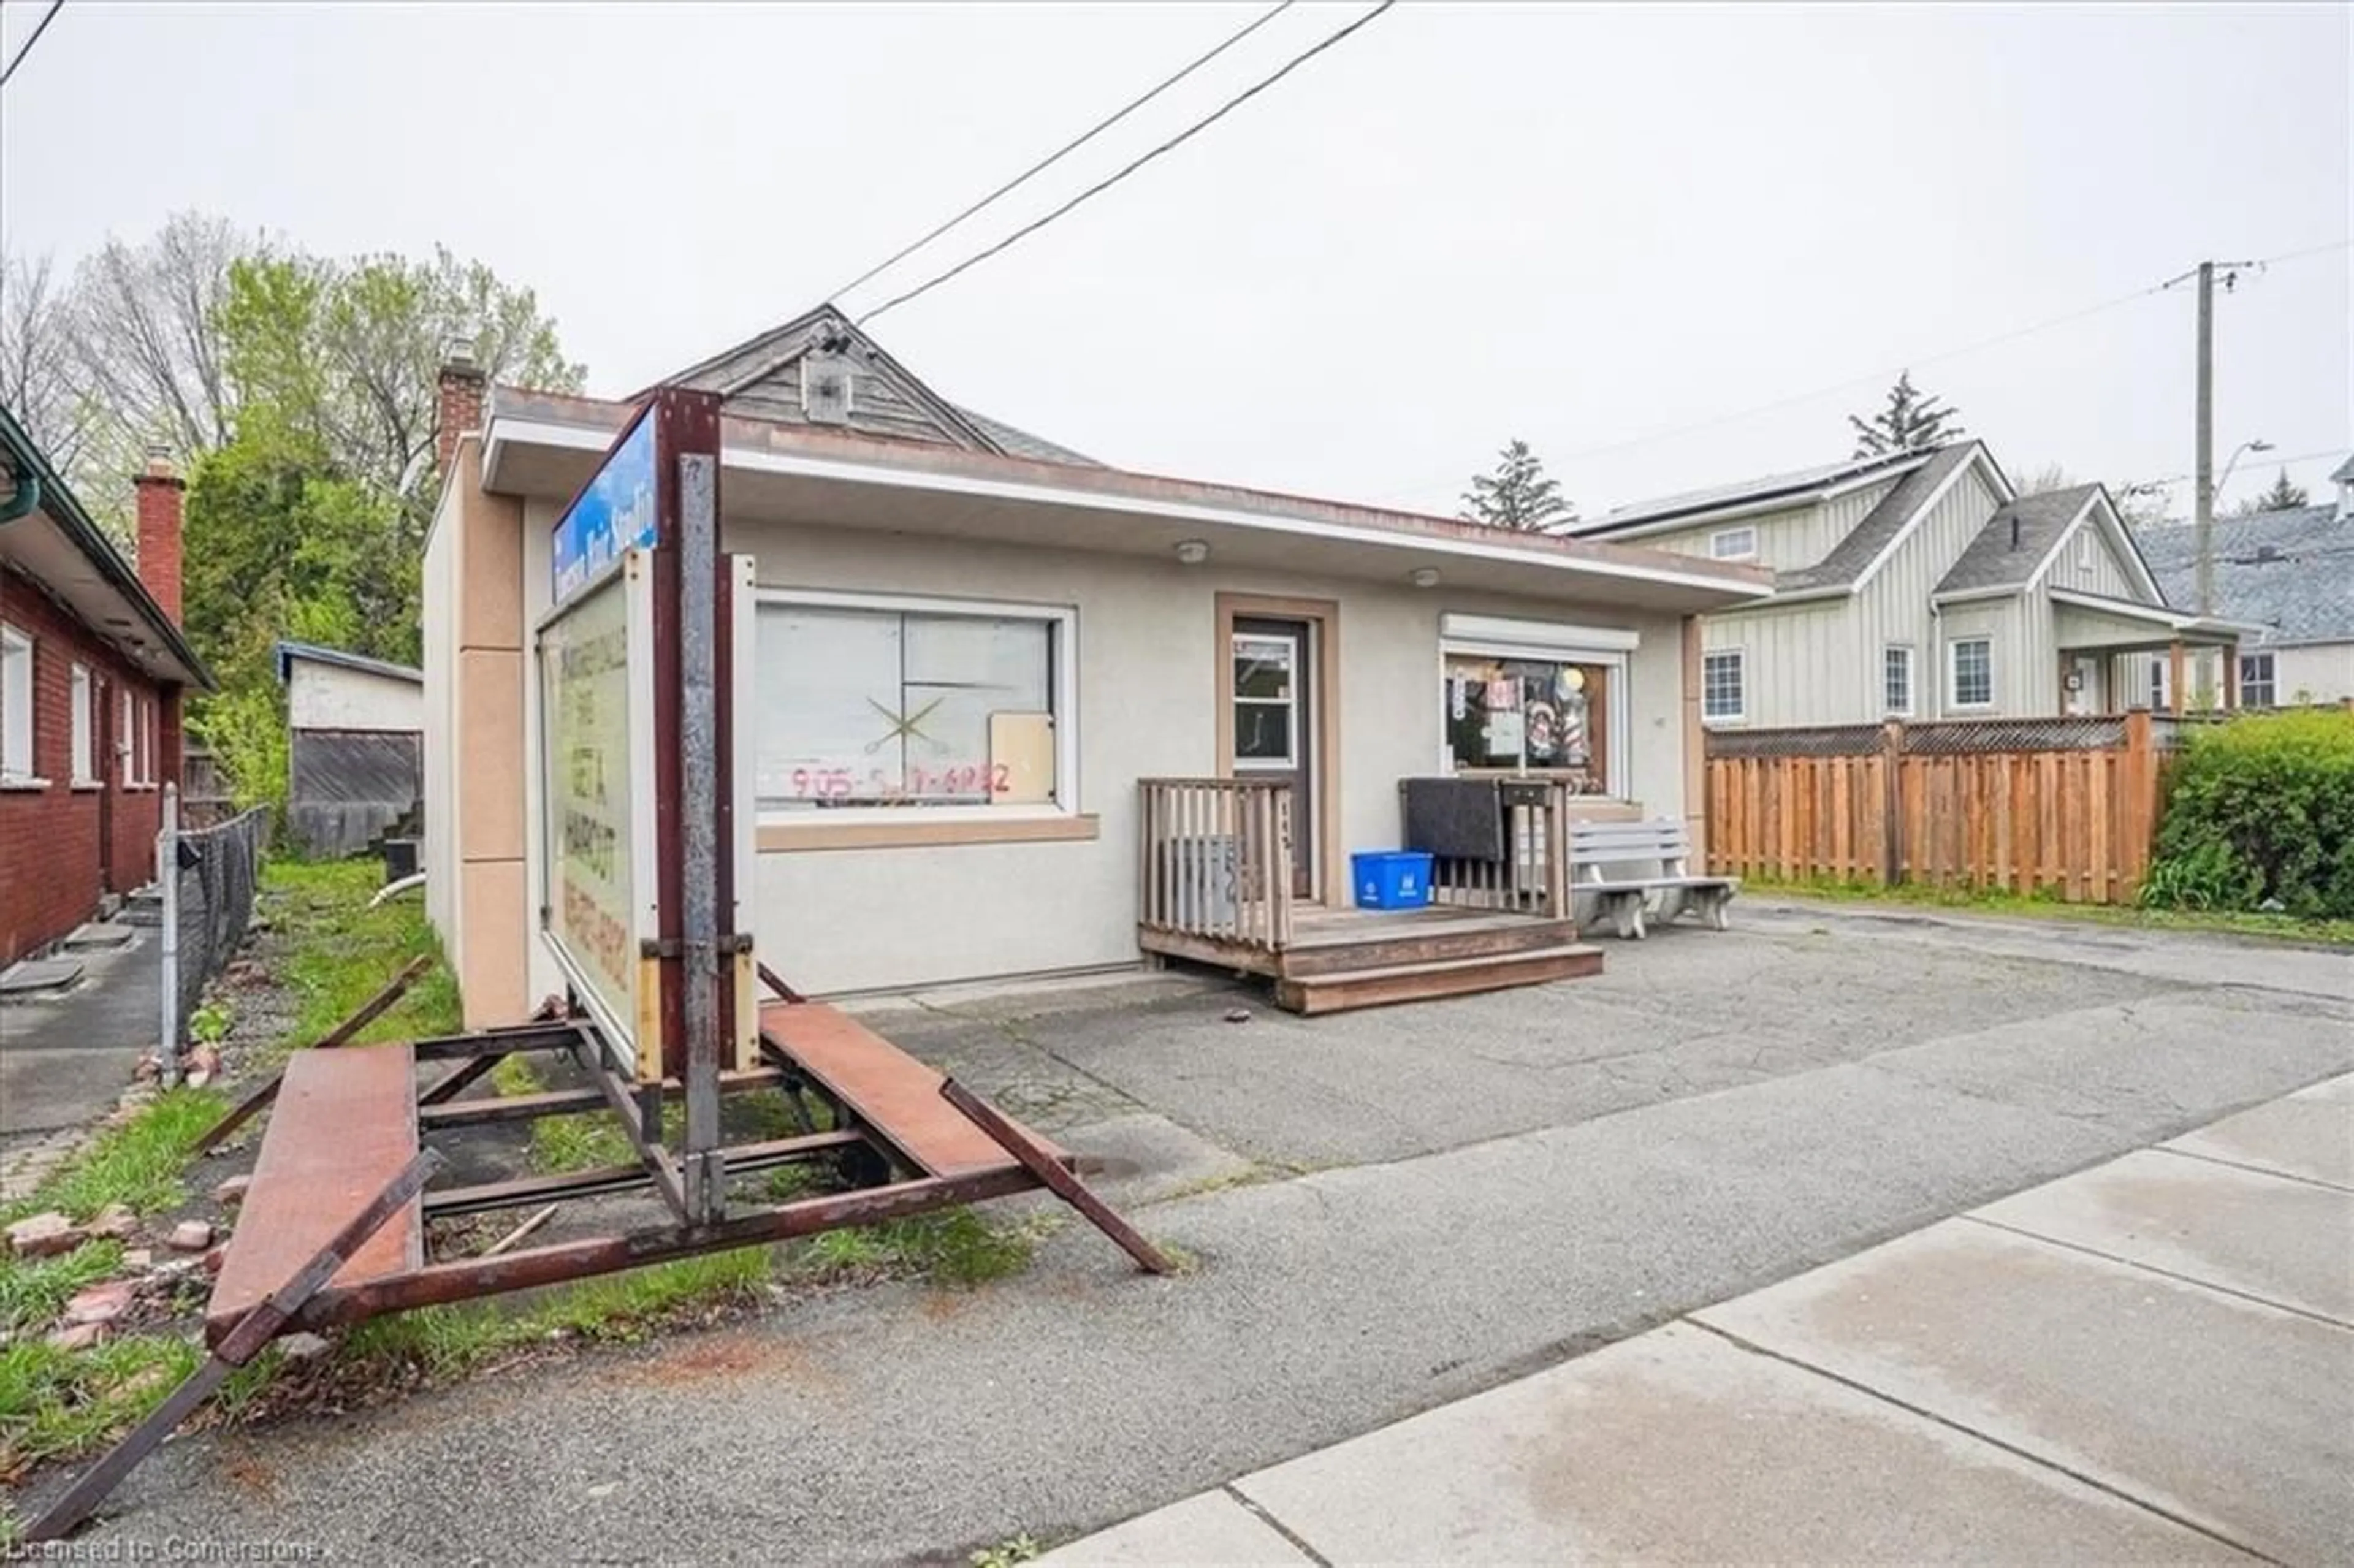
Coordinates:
[972,645]
[356,737]
[2290,573]
[1920,586]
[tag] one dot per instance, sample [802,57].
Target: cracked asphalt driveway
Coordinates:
[1391,1210]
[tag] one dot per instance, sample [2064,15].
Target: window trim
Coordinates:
[831,829]
[1954,646]
[1740,657]
[15,643]
[81,720]
[1738,530]
[1911,681]
[2270,684]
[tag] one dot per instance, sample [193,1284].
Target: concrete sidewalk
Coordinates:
[2152,1360]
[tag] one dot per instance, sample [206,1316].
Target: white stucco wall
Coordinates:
[334,696]
[836,920]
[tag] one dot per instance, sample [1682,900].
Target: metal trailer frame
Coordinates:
[889,1161]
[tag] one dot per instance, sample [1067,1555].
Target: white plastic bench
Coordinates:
[1662,843]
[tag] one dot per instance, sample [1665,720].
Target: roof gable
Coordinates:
[1870,542]
[776,375]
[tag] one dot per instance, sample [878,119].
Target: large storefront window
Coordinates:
[862,705]
[1530,715]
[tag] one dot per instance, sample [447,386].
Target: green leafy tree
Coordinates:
[1518,495]
[1911,421]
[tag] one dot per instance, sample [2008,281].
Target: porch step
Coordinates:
[144,908]
[1438,941]
[1335,992]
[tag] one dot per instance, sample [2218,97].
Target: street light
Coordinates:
[2258,445]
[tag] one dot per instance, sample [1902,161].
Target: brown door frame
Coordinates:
[1331,877]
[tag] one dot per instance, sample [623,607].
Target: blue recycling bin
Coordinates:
[1391,879]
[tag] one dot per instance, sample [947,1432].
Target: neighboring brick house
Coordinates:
[92,669]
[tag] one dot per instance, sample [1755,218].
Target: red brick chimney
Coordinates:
[160,493]
[460,411]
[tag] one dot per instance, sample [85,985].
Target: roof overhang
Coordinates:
[289,653]
[2174,624]
[538,445]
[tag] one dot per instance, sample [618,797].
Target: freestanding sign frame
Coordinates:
[647,795]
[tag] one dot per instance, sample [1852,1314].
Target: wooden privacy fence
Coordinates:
[1215,860]
[2063,806]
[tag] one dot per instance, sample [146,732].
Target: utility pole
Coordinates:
[2202,506]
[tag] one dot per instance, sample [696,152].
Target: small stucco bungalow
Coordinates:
[975,646]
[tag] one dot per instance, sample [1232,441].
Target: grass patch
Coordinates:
[2044,905]
[137,1163]
[337,952]
[952,1248]
[444,1341]
[55,1404]
[34,1290]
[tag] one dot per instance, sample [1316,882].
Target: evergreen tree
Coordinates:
[2282,496]
[1911,421]
[1518,495]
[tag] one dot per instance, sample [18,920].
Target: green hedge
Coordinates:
[2260,812]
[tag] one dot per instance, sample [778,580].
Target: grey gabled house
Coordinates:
[1920,584]
[2288,574]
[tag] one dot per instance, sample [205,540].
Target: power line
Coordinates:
[38,28]
[1110,180]
[1876,376]
[1051,159]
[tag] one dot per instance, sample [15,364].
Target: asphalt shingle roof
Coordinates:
[1997,558]
[1847,561]
[2291,572]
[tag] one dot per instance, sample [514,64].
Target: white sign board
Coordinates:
[597,898]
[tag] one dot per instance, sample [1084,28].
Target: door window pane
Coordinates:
[1263,732]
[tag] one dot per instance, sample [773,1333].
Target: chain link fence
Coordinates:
[209,875]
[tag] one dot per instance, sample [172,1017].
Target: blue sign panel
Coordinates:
[615,514]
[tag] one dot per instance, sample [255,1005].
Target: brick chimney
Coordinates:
[161,490]
[460,410]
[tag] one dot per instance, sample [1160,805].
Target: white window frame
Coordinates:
[1912,683]
[2084,550]
[1954,647]
[83,716]
[149,739]
[1291,762]
[1063,660]
[1606,648]
[1745,534]
[1740,657]
[126,742]
[19,735]
[2271,681]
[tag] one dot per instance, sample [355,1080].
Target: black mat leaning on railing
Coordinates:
[1458,819]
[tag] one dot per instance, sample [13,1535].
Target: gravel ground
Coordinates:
[1498,1183]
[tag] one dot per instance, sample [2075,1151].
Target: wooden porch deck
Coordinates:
[1215,891]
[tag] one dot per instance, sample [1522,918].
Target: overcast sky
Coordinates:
[1588,226]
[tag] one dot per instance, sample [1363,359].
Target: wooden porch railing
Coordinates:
[1216,859]
[1532,877]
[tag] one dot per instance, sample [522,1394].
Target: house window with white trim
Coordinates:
[2257,686]
[16,707]
[1896,680]
[1733,544]
[1722,683]
[1971,677]
[890,703]
[85,720]
[126,747]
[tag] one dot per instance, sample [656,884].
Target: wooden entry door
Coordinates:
[1273,723]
